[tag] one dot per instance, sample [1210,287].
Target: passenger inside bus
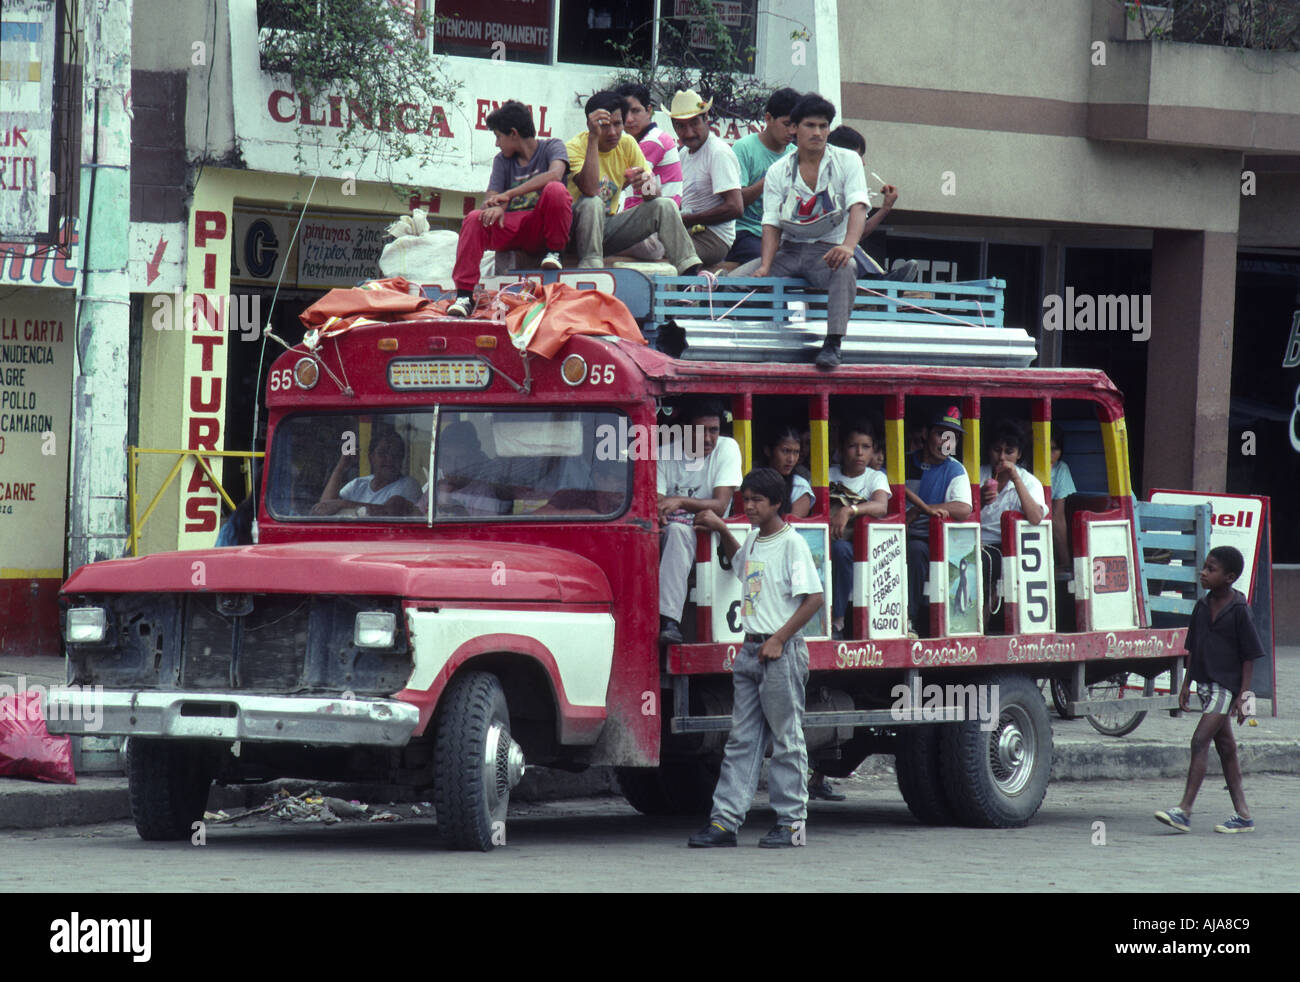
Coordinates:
[466,484]
[603,492]
[782,449]
[386,491]
[706,479]
[856,489]
[937,485]
[1005,486]
[1062,488]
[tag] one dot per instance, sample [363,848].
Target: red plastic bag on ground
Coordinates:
[26,747]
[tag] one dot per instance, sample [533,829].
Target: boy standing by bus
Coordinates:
[782,591]
[1223,645]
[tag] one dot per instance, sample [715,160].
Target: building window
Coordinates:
[504,30]
[587,28]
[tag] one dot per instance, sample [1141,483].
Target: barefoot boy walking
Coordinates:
[782,591]
[1223,646]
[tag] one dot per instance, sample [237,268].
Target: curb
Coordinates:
[1125,762]
[97,799]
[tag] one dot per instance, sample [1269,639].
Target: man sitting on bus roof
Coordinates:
[756,153]
[814,213]
[688,485]
[711,200]
[936,484]
[527,206]
[602,161]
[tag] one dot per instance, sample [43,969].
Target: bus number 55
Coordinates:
[602,374]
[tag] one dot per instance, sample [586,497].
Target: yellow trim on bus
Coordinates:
[894,463]
[1041,451]
[970,448]
[743,432]
[1114,437]
[819,434]
[8,573]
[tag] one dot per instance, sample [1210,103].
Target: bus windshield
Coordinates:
[490,464]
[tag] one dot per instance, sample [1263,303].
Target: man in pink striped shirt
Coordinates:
[660,148]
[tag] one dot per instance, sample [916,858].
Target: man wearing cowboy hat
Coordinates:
[711,200]
[602,161]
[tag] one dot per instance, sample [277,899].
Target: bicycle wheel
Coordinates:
[1119,721]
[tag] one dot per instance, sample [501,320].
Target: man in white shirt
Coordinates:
[711,199]
[814,213]
[687,486]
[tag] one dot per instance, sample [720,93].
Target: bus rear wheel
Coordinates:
[997,778]
[676,787]
[918,767]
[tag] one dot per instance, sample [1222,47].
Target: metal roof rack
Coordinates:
[751,319]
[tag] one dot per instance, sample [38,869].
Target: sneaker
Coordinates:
[670,632]
[552,261]
[781,837]
[829,357]
[825,791]
[461,307]
[710,836]
[1176,818]
[1236,824]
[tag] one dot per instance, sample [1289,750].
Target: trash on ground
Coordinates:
[26,747]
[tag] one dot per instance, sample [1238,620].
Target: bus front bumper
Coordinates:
[233,716]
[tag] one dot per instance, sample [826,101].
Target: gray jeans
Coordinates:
[769,705]
[596,233]
[805,259]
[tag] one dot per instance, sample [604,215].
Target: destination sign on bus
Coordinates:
[439,373]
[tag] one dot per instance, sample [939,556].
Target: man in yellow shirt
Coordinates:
[603,161]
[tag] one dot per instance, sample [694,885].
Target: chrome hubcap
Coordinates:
[503,768]
[1012,751]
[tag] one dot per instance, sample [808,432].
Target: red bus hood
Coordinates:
[455,570]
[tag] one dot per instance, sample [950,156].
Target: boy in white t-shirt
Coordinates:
[688,486]
[857,448]
[782,591]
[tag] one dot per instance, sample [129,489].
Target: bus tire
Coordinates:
[917,764]
[475,762]
[167,783]
[676,787]
[997,778]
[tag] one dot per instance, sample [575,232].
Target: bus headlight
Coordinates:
[85,625]
[374,629]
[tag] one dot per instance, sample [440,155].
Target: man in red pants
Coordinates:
[527,206]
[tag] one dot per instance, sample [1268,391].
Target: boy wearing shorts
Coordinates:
[1223,645]
[782,591]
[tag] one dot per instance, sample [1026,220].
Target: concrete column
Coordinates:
[1189,366]
[97,488]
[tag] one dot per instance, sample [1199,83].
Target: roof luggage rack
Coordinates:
[752,319]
